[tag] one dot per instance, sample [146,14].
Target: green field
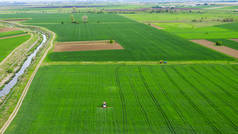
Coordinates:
[230,7]
[141,42]
[196,92]
[11,33]
[8,45]
[180,16]
[232,26]
[228,43]
[193,25]
[193,32]
[66,99]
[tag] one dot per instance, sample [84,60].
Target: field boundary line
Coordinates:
[137,62]
[16,49]
[13,36]
[222,49]
[19,103]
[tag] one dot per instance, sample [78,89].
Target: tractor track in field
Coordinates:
[217,96]
[156,102]
[215,69]
[172,103]
[207,100]
[204,116]
[215,74]
[224,90]
[122,97]
[143,111]
[234,69]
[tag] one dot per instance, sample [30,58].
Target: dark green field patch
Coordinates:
[66,99]
[141,42]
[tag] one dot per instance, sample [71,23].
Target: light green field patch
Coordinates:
[189,31]
[11,33]
[184,17]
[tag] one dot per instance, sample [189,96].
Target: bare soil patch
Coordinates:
[236,40]
[157,27]
[7,37]
[223,49]
[87,46]
[7,29]
[16,20]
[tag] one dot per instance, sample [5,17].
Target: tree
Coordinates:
[111,41]
[85,19]
[74,10]
[72,19]
[219,43]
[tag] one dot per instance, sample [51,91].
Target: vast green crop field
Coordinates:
[7,45]
[11,33]
[66,99]
[141,42]
[228,43]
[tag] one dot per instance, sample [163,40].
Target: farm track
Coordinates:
[124,114]
[214,83]
[172,103]
[142,63]
[156,102]
[208,100]
[203,115]
[20,101]
[142,109]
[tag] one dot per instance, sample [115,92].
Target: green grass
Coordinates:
[189,31]
[66,99]
[228,43]
[11,33]
[181,24]
[230,7]
[8,45]
[230,26]
[141,42]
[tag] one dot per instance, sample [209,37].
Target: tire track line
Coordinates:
[207,100]
[215,69]
[204,116]
[124,112]
[143,111]
[156,102]
[175,106]
[218,96]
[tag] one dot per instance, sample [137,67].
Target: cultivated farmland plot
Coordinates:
[66,99]
[140,42]
[9,44]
